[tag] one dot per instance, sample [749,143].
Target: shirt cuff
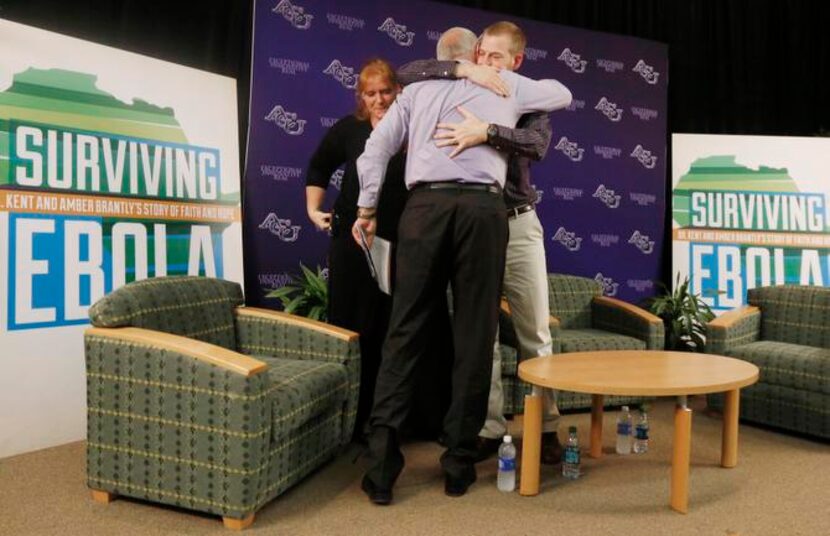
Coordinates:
[367,199]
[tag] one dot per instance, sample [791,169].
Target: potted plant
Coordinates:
[684,314]
[308,295]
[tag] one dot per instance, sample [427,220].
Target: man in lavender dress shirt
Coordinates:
[501,46]
[453,230]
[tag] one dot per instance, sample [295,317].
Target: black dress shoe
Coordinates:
[486,447]
[376,494]
[551,449]
[456,486]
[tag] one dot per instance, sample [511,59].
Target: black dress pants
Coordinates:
[455,236]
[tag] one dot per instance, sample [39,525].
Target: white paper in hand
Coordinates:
[379,259]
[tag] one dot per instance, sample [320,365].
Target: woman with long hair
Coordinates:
[355,302]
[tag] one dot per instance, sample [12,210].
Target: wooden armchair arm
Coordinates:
[202,351]
[629,308]
[294,320]
[729,319]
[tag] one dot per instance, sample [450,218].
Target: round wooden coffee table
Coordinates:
[638,373]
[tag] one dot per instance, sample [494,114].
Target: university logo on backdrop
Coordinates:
[294,14]
[609,286]
[280,227]
[343,74]
[289,122]
[642,242]
[609,110]
[568,239]
[644,157]
[573,61]
[397,32]
[571,149]
[608,196]
[647,72]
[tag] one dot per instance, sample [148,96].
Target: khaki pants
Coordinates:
[526,290]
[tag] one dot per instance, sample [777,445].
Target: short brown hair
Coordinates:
[517,36]
[373,67]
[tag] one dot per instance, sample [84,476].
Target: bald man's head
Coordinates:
[456,44]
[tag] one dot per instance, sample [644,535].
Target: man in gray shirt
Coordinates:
[453,230]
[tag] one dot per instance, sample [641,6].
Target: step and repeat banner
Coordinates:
[749,211]
[602,184]
[113,167]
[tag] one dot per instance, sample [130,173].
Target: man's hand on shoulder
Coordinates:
[484,76]
[470,132]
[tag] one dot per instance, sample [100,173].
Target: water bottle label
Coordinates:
[507,464]
[642,432]
[623,428]
[572,456]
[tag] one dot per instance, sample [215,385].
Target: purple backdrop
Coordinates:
[602,183]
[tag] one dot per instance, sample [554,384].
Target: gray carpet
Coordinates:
[780,486]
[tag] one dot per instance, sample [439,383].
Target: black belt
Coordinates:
[460,186]
[521,209]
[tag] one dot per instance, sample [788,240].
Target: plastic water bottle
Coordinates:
[506,479]
[570,463]
[641,433]
[624,431]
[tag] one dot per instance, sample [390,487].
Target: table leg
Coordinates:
[596,426]
[531,444]
[681,451]
[729,445]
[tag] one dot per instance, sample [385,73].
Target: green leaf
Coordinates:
[316,312]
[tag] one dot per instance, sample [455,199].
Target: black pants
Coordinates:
[445,236]
[356,303]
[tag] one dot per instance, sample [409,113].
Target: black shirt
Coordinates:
[344,143]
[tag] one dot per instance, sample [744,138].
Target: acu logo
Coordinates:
[568,239]
[607,196]
[644,157]
[281,228]
[397,32]
[296,15]
[341,73]
[574,61]
[570,149]
[646,71]
[609,110]
[609,287]
[642,242]
[286,120]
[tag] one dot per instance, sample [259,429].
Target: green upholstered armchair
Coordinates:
[785,331]
[582,320]
[198,402]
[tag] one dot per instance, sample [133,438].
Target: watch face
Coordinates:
[491,130]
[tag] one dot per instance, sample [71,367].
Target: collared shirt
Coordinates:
[529,141]
[420,107]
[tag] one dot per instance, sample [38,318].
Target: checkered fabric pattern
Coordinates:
[166,427]
[789,341]
[193,307]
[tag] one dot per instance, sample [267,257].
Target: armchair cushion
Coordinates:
[789,365]
[301,390]
[194,307]
[570,299]
[587,340]
[794,314]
